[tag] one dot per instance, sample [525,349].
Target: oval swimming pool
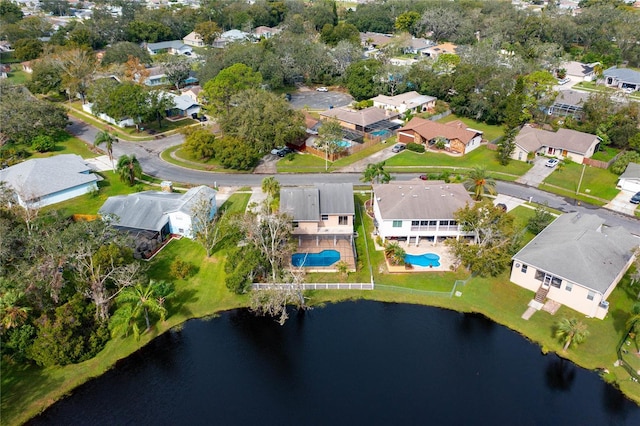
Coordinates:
[324,258]
[425,259]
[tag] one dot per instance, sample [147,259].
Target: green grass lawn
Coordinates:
[596,182]
[480,156]
[605,153]
[17,76]
[68,144]
[184,159]
[490,132]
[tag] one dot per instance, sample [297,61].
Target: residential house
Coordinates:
[630,179]
[622,78]
[439,49]
[371,41]
[157,213]
[568,103]
[264,32]
[44,181]
[418,46]
[412,102]
[122,123]
[364,120]
[173,47]
[230,36]
[577,71]
[600,256]
[414,211]
[185,106]
[27,66]
[323,217]
[5,69]
[564,143]
[156,76]
[193,92]
[193,39]
[455,135]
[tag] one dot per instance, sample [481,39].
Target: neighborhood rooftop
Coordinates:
[364,117]
[430,130]
[623,74]
[532,139]
[308,203]
[409,99]
[598,253]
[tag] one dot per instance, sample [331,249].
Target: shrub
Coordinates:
[181,269]
[363,104]
[623,160]
[415,147]
[43,143]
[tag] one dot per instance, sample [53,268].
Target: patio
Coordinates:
[342,246]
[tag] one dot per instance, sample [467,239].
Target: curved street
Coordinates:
[148,153]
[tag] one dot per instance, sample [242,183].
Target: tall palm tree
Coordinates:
[375,173]
[633,323]
[12,313]
[271,187]
[108,140]
[571,331]
[129,169]
[137,301]
[479,182]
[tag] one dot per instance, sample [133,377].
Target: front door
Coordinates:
[546,282]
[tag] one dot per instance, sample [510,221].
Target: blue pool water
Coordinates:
[344,144]
[324,258]
[380,133]
[425,259]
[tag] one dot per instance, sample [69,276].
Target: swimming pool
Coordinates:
[344,144]
[324,258]
[425,259]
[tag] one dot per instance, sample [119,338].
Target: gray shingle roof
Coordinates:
[40,177]
[631,172]
[625,75]
[149,210]
[336,198]
[418,200]
[306,204]
[578,248]
[533,139]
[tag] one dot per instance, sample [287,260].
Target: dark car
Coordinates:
[287,96]
[424,177]
[636,198]
[284,151]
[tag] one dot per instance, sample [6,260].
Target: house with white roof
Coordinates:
[412,102]
[41,182]
[230,36]
[622,78]
[565,143]
[600,256]
[173,47]
[415,211]
[158,213]
[185,106]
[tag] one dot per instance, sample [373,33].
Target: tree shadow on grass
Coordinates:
[179,303]
[620,318]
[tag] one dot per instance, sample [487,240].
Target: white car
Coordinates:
[627,90]
[322,89]
[552,162]
[564,80]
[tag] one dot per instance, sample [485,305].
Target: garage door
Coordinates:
[630,185]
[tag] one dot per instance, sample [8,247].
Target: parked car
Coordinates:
[287,97]
[277,149]
[424,177]
[552,162]
[322,89]
[398,147]
[284,151]
[635,199]
[564,80]
[627,90]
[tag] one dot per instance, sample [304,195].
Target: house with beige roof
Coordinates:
[600,256]
[565,143]
[415,211]
[578,71]
[412,102]
[457,137]
[362,120]
[439,49]
[193,39]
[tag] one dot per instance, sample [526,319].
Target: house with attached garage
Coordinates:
[412,102]
[622,78]
[455,135]
[323,217]
[173,47]
[565,143]
[44,181]
[599,257]
[416,211]
[151,216]
[630,179]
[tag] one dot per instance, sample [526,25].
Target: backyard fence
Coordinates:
[632,372]
[315,286]
[439,116]
[449,294]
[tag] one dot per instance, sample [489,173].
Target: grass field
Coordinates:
[17,76]
[490,132]
[68,144]
[596,182]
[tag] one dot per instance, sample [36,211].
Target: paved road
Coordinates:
[148,153]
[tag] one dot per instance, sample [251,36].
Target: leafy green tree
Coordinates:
[406,22]
[495,239]
[375,173]
[158,103]
[28,49]
[177,70]
[45,78]
[633,324]
[43,143]
[330,140]
[360,79]
[120,52]
[236,154]
[200,143]
[13,311]
[442,22]
[571,331]
[209,31]
[148,31]
[242,267]
[271,187]
[394,253]
[138,301]
[56,7]
[620,164]
[229,82]
[479,182]
[540,219]
[129,169]
[10,13]
[332,35]
[108,140]
[506,146]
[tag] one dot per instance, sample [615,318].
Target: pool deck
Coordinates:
[446,259]
[341,246]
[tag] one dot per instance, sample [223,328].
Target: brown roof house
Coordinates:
[457,137]
[363,120]
[564,143]
[419,210]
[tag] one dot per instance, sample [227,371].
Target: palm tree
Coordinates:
[271,187]
[12,314]
[108,140]
[479,182]
[633,323]
[375,173]
[129,169]
[571,331]
[139,300]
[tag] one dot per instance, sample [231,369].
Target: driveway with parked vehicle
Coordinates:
[537,173]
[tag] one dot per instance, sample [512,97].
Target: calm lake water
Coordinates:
[351,363]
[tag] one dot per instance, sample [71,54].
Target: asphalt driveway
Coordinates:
[318,100]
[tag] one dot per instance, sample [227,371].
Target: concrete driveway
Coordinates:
[537,173]
[621,203]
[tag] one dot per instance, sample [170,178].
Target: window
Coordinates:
[433,222]
[591,295]
[295,224]
[523,269]
[343,220]
[424,222]
[415,223]
[453,222]
[325,217]
[556,282]
[444,223]
[568,287]
[397,224]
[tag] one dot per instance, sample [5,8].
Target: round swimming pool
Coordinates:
[324,258]
[425,259]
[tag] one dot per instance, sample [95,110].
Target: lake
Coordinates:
[350,363]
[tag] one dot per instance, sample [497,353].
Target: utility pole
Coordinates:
[580,181]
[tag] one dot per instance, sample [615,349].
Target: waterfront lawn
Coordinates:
[490,131]
[600,183]
[480,156]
